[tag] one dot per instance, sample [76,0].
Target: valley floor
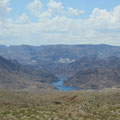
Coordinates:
[77,105]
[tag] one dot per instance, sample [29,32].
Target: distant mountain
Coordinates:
[93,64]
[94,73]
[96,78]
[16,76]
[54,58]
[71,69]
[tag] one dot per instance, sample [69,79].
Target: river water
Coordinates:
[61,87]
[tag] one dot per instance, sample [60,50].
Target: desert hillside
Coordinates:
[14,76]
[79,105]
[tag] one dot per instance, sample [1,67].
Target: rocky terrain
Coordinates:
[95,73]
[16,76]
[78,105]
[96,79]
[26,73]
[89,66]
[85,63]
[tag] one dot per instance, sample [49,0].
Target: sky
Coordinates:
[46,22]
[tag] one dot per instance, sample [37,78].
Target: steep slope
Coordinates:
[96,78]
[85,63]
[16,76]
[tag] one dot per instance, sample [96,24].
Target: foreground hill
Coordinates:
[16,76]
[82,105]
[96,78]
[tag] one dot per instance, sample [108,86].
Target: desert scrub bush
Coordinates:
[83,105]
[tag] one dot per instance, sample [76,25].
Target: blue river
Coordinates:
[61,87]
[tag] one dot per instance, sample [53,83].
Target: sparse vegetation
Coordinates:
[78,105]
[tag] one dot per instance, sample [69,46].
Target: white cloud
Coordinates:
[55,5]
[116,15]
[35,8]
[23,19]
[45,15]
[104,19]
[4,9]
[58,7]
[53,27]
[75,12]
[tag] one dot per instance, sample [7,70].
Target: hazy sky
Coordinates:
[41,22]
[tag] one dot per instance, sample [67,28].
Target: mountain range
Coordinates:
[88,66]
[52,57]
[34,54]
